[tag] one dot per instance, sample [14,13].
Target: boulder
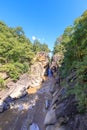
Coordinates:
[67,107]
[19,91]
[34,126]
[20,87]
[54,127]
[50,118]
[3,106]
[50,127]
[59,95]
[60,128]
[52,88]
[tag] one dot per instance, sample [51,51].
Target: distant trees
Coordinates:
[37,47]
[73,45]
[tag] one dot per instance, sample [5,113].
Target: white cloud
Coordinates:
[33,38]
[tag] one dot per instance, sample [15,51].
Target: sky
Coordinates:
[44,20]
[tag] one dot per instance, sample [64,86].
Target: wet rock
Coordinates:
[8,100]
[52,88]
[1,106]
[50,118]
[5,103]
[67,107]
[34,126]
[55,93]
[4,106]
[54,127]
[60,128]
[50,127]
[47,103]
[59,95]
[12,104]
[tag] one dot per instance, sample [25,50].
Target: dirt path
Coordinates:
[28,110]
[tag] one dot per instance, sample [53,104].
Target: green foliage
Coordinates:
[38,47]
[2,83]
[73,45]
[16,51]
[44,47]
[14,69]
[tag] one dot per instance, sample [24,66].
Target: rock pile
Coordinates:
[63,113]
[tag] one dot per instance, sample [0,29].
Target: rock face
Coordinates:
[63,113]
[38,68]
[37,72]
[57,60]
[42,57]
[19,89]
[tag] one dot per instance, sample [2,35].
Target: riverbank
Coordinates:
[28,110]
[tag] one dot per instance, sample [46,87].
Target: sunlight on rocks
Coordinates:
[25,105]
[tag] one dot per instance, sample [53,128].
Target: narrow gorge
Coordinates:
[41,103]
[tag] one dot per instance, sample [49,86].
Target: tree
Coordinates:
[16,51]
[44,47]
[37,47]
